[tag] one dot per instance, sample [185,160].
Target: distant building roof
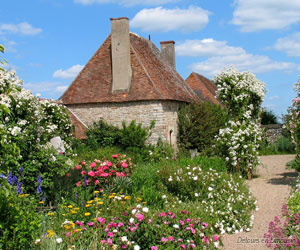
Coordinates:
[152,77]
[203,87]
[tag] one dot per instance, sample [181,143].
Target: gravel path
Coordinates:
[271,189]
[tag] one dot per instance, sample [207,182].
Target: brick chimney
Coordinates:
[167,50]
[120,54]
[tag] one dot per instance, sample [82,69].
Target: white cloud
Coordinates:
[23,28]
[275,97]
[126,2]
[289,44]
[162,20]
[45,87]
[206,47]
[68,73]
[221,55]
[256,15]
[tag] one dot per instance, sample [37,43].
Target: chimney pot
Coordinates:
[167,49]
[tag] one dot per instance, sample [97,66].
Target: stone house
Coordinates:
[127,79]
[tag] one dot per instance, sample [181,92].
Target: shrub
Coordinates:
[268,117]
[198,124]
[101,134]
[134,135]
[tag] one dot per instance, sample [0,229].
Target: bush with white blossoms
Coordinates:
[27,124]
[242,95]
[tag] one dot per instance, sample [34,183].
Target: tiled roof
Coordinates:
[152,77]
[203,87]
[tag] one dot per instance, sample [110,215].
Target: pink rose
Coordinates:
[91,173]
[109,164]
[93,165]
[78,183]
[124,165]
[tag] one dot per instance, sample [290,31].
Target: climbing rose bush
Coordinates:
[27,124]
[242,94]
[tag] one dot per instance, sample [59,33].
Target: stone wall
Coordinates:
[273,131]
[164,113]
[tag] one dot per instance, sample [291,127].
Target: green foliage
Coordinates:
[282,145]
[268,117]
[198,125]
[134,135]
[19,221]
[294,202]
[101,134]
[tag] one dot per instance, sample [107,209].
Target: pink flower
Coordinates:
[82,163]
[91,173]
[82,172]
[97,182]
[79,223]
[140,217]
[162,214]
[216,238]
[78,183]
[122,174]
[123,246]
[104,175]
[93,165]
[124,165]
[101,220]
[110,234]
[182,246]
[120,224]
[150,221]
[78,167]
[204,225]
[154,248]
[109,241]
[115,156]
[109,164]
[68,234]
[90,224]
[181,222]
[205,240]
[171,238]
[103,241]
[164,240]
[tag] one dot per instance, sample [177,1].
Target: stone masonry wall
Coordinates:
[164,113]
[273,131]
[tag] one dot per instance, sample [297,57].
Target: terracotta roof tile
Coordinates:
[203,87]
[152,77]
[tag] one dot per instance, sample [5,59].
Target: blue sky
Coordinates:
[49,41]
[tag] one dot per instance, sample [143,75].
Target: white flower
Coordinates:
[139,206]
[37,241]
[131,220]
[196,194]
[145,209]
[59,240]
[195,178]
[133,211]
[176,226]
[136,247]
[124,239]
[164,196]
[210,189]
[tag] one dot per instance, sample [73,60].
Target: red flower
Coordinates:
[93,164]
[91,173]
[78,167]
[124,165]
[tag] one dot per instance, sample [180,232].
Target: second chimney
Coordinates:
[167,50]
[120,54]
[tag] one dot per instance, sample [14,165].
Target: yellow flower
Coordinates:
[96,199]
[89,202]
[96,192]
[76,208]
[50,214]
[122,202]
[100,202]
[88,205]
[111,196]
[70,206]
[127,198]
[138,199]
[73,211]
[87,214]
[144,203]
[50,233]
[25,195]
[41,202]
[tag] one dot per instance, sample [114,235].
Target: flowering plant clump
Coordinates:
[286,235]
[101,173]
[219,195]
[242,94]
[133,228]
